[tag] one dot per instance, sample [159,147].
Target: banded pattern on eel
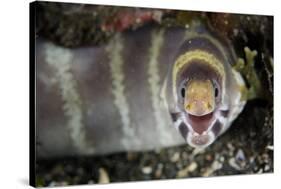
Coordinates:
[124,95]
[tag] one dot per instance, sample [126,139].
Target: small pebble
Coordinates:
[233,164]
[146,170]
[103,176]
[91,182]
[209,171]
[157,15]
[216,165]
[230,146]
[158,172]
[240,156]
[209,157]
[235,32]
[192,167]
[175,157]
[184,155]
[184,172]
[266,168]
[221,159]
[198,151]
[252,160]
[54,184]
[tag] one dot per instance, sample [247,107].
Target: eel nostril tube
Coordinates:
[210,107]
[187,107]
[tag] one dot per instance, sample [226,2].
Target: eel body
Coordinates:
[106,99]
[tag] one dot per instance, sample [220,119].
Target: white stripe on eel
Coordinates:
[157,38]
[116,63]
[61,59]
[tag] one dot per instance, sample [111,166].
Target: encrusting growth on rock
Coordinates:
[247,69]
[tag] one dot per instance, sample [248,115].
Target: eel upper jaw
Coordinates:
[200,124]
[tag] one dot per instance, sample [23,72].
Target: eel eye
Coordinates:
[181,89]
[216,88]
[183,92]
[216,92]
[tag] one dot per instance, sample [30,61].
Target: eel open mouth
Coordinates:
[201,123]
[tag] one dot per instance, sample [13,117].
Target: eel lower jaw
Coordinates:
[200,133]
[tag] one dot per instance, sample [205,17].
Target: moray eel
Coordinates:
[106,99]
[203,91]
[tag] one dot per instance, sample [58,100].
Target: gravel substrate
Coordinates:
[247,148]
